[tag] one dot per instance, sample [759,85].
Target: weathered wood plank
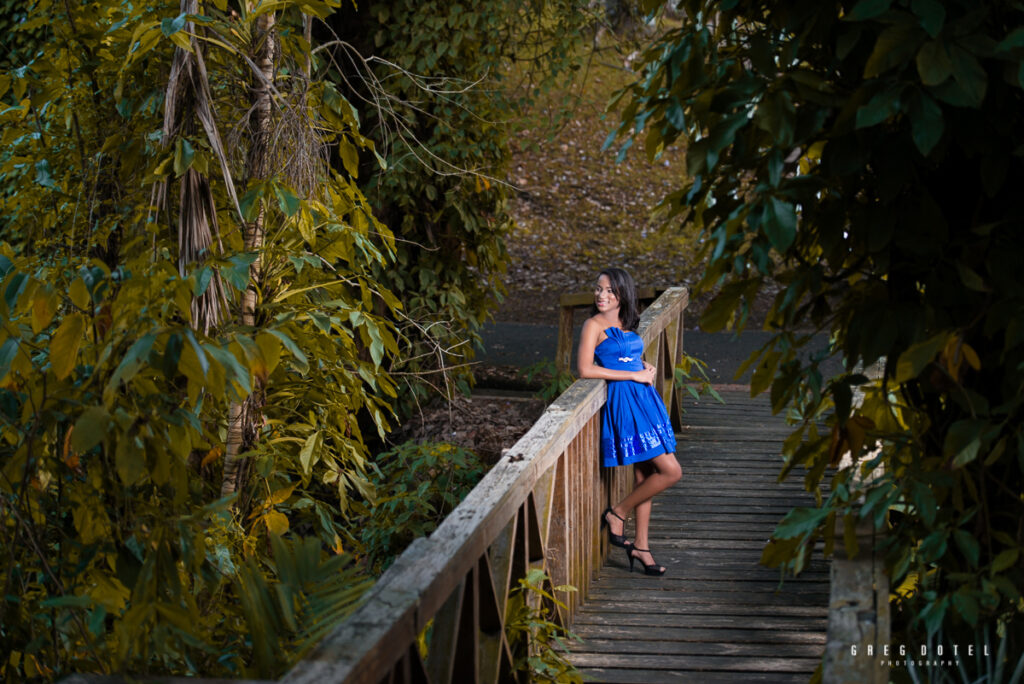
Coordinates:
[717,615]
[767,622]
[688,634]
[724,663]
[704,648]
[699,603]
[690,677]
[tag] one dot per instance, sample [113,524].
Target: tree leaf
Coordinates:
[968,544]
[966,605]
[90,428]
[172,25]
[184,153]
[306,454]
[963,441]
[1005,559]
[675,115]
[926,122]
[764,372]
[868,9]
[276,522]
[895,44]
[924,501]
[8,351]
[1014,39]
[969,74]
[130,460]
[65,343]
[43,176]
[933,63]
[280,496]
[133,360]
[249,204]
[289,344]
[80,296]
[931,13]
[349,157]
[779,223]
[288,202]
[44,307]
[800,521]
[879,108]
[918,356]
[270,349]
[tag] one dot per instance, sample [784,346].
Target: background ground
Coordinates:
[576,210]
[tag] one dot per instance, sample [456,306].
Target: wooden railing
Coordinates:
[538,507]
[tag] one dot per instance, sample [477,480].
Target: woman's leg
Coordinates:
[652,478]
[642,511]
[657,475]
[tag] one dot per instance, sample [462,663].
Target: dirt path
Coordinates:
[578,209]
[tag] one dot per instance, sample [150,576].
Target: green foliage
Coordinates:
[537,640]
[866,157]
[19,42]
[450,115]
[115,402]
[992,661]
[291,604]
[554,382]
[692,374]
[417,486]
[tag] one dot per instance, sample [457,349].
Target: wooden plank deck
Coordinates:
[716,615]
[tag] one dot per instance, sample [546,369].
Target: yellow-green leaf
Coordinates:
[1005,560]
[277,523]
[44,307]
[350,158]
[270,349]
[80,294]
[306,455]
[917,357]
[109,592]
[65,343]
[281,495]
[90,428]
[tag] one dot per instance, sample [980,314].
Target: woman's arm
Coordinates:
[588,369]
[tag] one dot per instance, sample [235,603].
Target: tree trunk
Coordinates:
[244,417]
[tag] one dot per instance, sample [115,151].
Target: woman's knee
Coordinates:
[672,469]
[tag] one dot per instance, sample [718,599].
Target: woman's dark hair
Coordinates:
[625,289]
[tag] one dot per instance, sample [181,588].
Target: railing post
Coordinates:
[858,613]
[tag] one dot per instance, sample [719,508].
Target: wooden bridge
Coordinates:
[438,615]
[717,615]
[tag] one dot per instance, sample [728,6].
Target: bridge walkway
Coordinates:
[717,615]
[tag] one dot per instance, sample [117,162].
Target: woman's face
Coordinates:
[604,298]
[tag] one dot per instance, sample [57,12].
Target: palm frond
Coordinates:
[292,605]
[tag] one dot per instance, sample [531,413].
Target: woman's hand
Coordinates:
[645,376]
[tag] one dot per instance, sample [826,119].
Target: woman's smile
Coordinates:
[604,297]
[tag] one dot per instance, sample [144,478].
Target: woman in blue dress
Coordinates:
[635,428]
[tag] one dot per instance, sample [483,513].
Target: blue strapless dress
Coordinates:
[635,426]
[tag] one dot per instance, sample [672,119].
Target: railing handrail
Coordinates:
[410,593]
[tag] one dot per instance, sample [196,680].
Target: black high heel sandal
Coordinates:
[628,546]
[614,539]
[653,569]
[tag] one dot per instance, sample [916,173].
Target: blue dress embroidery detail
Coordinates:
[635,426]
